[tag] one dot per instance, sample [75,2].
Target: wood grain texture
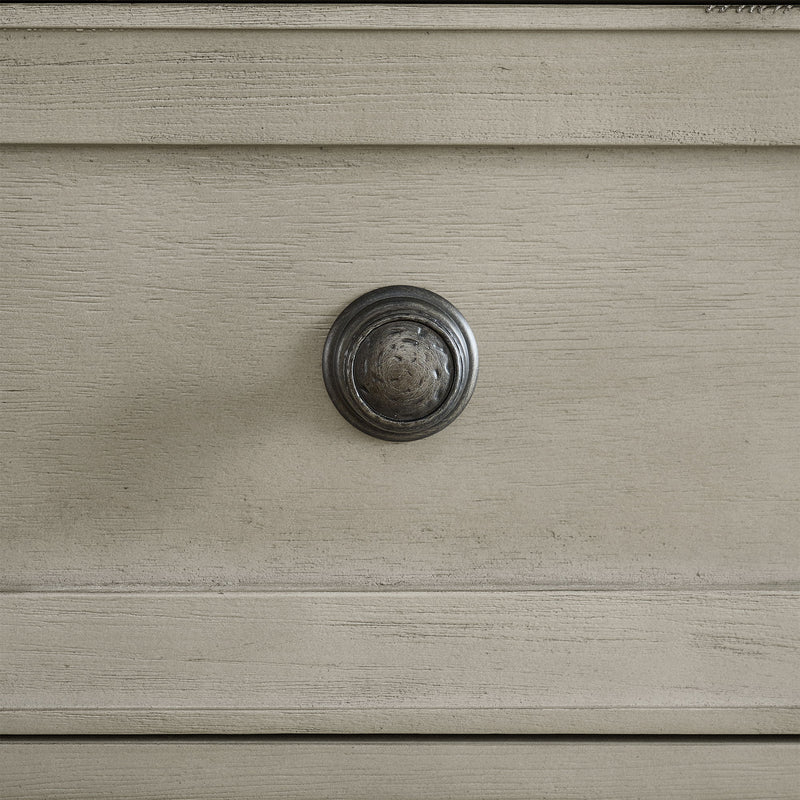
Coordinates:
[602,720]
[399,87]
[379,769]
[326,652]
[165,424]
[530,16]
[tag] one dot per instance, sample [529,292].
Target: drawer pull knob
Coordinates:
[400,363]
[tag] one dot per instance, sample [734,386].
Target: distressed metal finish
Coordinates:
[400,363]
[403,370]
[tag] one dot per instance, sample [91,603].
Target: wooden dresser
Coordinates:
[214,586]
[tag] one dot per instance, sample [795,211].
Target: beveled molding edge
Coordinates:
[546,721]
[296,16]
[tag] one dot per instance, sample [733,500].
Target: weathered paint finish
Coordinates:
[416,769]
[165,429]
[399,16]
[636,421]
[400,87]
[383,651]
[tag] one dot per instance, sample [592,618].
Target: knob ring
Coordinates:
[362,318]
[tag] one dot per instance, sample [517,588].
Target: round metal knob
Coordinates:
[400,363]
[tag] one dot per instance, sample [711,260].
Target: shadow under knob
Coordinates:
[400,363]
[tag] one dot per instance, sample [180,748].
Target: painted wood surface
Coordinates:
[326,652]
[637,416]
[431,16]
[399,87]
[434,769]
[165,428]
[599,720]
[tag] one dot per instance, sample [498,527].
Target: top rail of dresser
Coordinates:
[698,16]
[399,87]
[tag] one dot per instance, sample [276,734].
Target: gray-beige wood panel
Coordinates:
[193,541]
[400,16]
[296,660]
[635,422]
[418,769]
[400,87]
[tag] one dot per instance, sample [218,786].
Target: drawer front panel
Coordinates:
[635,421]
